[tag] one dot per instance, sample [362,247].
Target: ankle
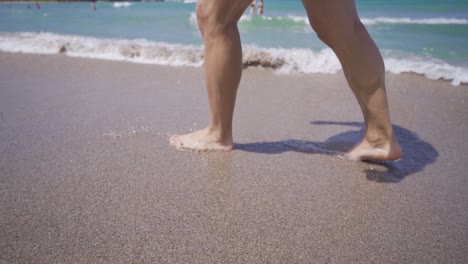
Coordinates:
[379,140]
[219,134]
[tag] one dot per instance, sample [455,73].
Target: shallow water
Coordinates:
[424,37]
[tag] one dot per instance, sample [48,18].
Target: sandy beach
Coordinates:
[87,174]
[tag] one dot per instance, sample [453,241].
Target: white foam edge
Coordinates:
[149,52]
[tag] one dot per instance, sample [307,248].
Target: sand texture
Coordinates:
[87,174]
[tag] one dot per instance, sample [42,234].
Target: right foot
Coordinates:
[201,140]
[366,150]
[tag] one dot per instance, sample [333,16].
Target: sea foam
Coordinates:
[423,21]
[303,20]
[121,4]
[281,60]
[374,21]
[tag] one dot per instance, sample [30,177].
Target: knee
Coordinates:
[209,22]
[333,33]
[203,16]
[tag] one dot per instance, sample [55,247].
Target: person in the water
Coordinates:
[260,6]
[252,7]
[338,25]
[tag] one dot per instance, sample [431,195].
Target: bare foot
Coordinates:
[366,150]
[201,140]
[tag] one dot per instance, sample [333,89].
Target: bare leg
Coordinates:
[337,24]
[217,20]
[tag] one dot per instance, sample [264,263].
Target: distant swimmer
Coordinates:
[337,24]
[260,8]
[38,6]
[252,7]
[93,5]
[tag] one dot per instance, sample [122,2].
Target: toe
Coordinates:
[174,139]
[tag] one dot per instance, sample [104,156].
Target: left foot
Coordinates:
[366,150]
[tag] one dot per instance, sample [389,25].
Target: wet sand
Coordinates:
[87,174]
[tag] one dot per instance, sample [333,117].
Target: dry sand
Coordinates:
[87,174]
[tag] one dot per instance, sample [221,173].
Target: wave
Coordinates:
[122,4]
[247,18]
[280,60]
[182,1]
[303,20]
[138,50]
[387,20]
[423,21]
[369,21]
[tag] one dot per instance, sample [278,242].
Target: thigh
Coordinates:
[222,10]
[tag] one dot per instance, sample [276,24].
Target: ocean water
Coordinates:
[426,37]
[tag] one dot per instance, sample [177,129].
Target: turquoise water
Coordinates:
[421,34]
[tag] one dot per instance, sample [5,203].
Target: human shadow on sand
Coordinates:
[417,153]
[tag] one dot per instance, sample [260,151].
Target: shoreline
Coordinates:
[88,175]
[281,60]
